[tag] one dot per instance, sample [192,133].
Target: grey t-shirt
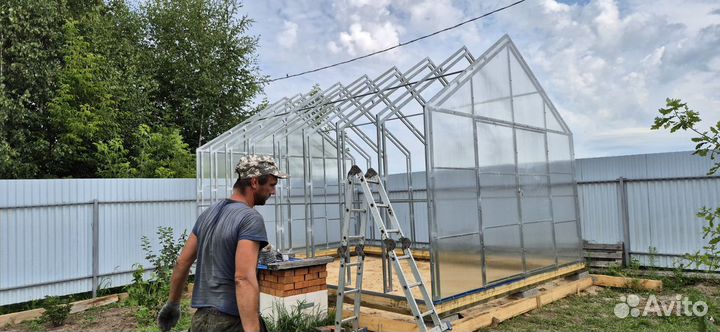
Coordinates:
[218,235]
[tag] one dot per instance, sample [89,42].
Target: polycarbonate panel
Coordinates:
[559,153]
[497,109]
[499,211]
[561,184]
[452,136]
[460,263]
[564,208]
[551,121]
[539,246]
[493,79]
[498,185]
[461,101]
[567,241]
[503,252]
[495,148]
[534,185]
[456,209]
[531,152]
[528,110]
[535,208]
[521,83]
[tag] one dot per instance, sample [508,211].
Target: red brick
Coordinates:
[322,274]
[301,271]
[323,287]
[316,282]
[300,285]
[318,268]
[270,278]
[285,280]
[298,278]
[311,276]
[287,287]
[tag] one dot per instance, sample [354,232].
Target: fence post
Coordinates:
[625,219]
[95,246]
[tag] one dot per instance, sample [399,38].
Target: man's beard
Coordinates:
[260,199]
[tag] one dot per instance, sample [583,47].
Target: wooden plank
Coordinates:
[471,299]
[602,246]
[624,282]
[78,306]
[399,304]
[475,321]
[603,254]
[597,263]
[381,321]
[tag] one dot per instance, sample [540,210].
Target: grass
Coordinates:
[587,312]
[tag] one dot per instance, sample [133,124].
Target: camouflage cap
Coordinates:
[256,165]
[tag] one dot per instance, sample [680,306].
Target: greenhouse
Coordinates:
[476,159]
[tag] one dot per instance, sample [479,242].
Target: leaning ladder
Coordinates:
[390,237]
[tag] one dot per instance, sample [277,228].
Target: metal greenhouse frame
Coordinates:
[478,163]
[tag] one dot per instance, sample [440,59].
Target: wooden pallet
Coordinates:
[603,255]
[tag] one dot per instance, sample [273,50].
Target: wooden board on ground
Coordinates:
[18,317]
[624,282]
[478,316]
[395,301]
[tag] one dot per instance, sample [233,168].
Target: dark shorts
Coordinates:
[211,319]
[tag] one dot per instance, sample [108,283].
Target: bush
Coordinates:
[56,310]
[152,293]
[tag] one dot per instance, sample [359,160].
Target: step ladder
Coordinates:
[391,236]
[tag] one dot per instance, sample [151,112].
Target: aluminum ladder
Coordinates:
[390,237]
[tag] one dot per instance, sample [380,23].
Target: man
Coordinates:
[226,241]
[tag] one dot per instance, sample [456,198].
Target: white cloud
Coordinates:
[373,37]
[288,36]
[607,66]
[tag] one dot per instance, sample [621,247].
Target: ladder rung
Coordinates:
[357,210]
[372,181]
[427,313]
[414,285]
[392,230]
[351,291]
[351,318]
[352,264]
[381,205]
[353,237]
[403,257]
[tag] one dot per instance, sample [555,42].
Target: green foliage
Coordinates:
[204,64]
[295,319]
[678,116]
[87,87]
[56,311]
[152,293]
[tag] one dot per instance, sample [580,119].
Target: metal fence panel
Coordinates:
[46,231]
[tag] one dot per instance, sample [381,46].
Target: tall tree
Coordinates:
[204,63]
[31,39]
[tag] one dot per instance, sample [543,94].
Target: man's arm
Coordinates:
[247,290]
[182,268]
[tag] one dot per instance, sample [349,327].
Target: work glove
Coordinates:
[168,316]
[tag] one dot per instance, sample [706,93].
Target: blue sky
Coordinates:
[608,66]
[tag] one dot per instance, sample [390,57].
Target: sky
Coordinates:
[606,65]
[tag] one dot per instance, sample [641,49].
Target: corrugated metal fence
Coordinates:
[62,237]
[649,202]
[69,236]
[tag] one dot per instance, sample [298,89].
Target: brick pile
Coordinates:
[283,283]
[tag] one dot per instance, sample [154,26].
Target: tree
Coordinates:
[86,85]
[204,64]
[678,116]
[31,38]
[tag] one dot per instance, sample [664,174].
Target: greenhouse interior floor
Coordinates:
[456,273]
